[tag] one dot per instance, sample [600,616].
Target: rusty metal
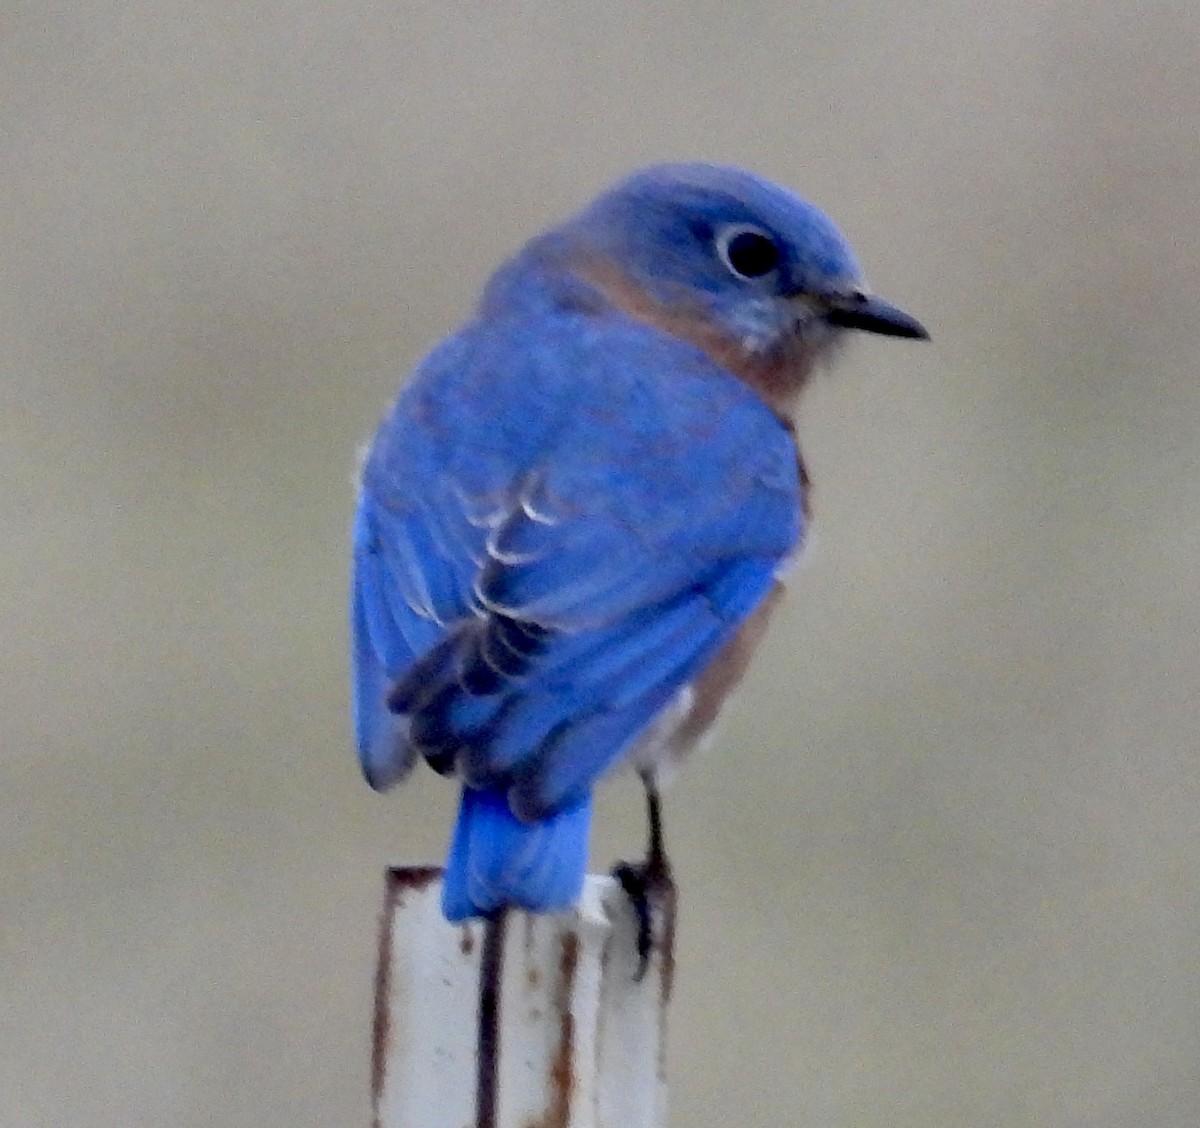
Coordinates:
[553,1030]
[487,1054]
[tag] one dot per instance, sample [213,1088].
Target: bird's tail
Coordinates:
[496,860]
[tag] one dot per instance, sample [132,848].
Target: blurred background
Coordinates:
[942,867]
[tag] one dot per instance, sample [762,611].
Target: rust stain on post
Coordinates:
[396,882]
[487,1053]
[381,1018]
[413,877]
[562,1067]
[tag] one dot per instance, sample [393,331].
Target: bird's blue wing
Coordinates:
[558,527]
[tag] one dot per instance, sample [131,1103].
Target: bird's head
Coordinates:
[757,276]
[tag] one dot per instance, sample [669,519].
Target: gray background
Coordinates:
[942,867]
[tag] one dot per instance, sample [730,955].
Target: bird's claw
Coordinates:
[640,883]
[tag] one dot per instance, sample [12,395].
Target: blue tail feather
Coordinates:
[496,860]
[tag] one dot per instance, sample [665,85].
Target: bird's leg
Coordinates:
[653,875]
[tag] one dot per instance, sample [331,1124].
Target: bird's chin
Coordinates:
[810,330]
[826,348]
[780,369]
[809,346]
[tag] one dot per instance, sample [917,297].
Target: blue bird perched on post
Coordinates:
[573,522]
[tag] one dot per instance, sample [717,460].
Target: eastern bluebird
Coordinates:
[573,522]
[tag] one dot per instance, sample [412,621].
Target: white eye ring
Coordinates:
[747,252]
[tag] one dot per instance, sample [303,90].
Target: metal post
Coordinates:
[521,1021]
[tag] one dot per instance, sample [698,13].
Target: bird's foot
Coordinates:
[643,881]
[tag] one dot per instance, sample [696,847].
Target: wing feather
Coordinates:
[535,579]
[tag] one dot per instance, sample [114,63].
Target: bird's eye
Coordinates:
[747,251]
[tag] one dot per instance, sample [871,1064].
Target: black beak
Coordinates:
[874,315]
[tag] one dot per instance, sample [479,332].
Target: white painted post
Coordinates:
[530,1020]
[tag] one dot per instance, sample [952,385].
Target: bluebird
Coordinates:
[574,521]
